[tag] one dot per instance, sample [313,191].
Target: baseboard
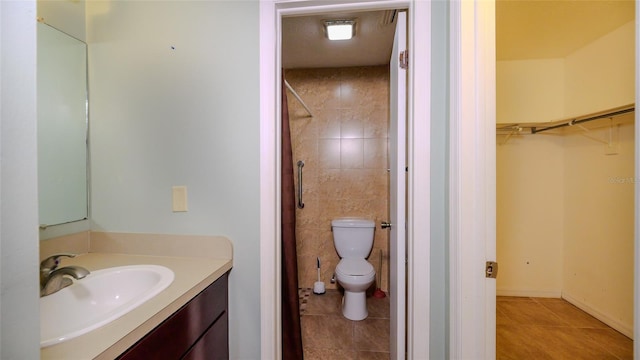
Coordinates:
[529,293]
[614,323]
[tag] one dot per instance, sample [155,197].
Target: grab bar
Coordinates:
[300,166]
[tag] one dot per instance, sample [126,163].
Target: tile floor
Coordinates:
[542,328]
[327,335]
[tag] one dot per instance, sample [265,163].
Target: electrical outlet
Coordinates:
[179,198]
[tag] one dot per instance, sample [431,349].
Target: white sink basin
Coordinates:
[98,299]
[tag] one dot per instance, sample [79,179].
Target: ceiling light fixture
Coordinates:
[340,29]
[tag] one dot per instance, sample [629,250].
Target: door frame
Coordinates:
[418,151]
[472,179]
[397,189]
[636,240]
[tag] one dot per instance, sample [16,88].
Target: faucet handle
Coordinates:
[51,263]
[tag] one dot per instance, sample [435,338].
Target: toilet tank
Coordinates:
[353,237]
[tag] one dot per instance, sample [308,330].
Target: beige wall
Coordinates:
[344,147]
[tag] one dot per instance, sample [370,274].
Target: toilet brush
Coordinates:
[318,287]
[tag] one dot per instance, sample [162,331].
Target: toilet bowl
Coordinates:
[355,276]
[353,239]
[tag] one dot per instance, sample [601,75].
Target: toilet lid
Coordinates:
[354,267]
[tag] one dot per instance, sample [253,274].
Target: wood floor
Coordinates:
[541,328]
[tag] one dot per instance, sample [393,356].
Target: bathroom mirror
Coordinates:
[62,127]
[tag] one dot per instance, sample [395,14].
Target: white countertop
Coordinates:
[192,275]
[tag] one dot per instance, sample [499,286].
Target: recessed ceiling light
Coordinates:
[340,29]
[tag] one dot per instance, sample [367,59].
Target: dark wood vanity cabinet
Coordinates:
[199,330]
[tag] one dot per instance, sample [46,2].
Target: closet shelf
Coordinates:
[535,128]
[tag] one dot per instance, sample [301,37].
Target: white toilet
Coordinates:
[353,238]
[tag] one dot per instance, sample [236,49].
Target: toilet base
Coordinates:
[354,305]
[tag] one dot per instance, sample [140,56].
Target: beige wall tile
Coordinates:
[375,122]
[352,153]
[330,184]
[344,147]
[303,128]
[375,153]
[351,125]
[329,122]
[307,218]
[329,153]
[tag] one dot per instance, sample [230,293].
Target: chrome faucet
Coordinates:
[53,279]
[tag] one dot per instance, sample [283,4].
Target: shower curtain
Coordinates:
[291,331]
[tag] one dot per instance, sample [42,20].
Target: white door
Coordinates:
[397,187]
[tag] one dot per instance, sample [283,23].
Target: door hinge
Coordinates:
[491,269]
[404,59]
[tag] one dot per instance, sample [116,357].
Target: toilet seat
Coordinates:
[354,267]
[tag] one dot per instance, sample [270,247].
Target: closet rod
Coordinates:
[535,130]
[297,97]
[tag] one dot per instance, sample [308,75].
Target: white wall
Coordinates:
[530,215]
[530,90]
[596,77]
[19,292]
[601,75]
[565,219]
[598,215]
[574,201]
[175,101]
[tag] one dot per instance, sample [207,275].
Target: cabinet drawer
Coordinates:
[177,334]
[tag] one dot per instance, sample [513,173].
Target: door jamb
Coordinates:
[636,240]
[418,130]
[472,179]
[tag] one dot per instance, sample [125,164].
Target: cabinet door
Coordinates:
[214,344]
[177,335]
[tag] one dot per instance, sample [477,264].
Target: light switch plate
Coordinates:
[179,198]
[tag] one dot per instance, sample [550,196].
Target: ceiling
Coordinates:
[525,29]
[553,29]
[305,46]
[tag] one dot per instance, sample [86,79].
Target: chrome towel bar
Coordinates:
[300,166]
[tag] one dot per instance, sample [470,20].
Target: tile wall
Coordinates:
[344,147]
